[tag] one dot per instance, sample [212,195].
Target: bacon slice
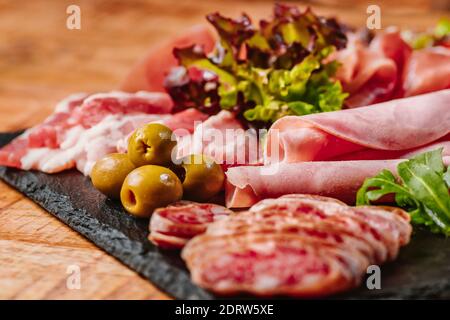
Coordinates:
[296,245]
[173,226]
[85,128]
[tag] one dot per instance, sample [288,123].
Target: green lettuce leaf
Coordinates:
[263,74]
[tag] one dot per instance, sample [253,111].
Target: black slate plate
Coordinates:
[421,271]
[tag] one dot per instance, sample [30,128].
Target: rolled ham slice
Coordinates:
[306,154]
[247,185]
[395,126]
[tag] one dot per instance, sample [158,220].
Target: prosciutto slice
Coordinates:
[388,68]
[149,73]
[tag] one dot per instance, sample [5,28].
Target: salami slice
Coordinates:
[296,245]
[182,221]
[269,265]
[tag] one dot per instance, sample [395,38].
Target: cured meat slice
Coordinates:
[267,265]
[165,241]
[172,226]
[97,106]
[44,135]
[368,75]
[149,73]
[315,231]
[388,68]
[85,128]
[427,70]
[247,185]
[388,225]
[223,138]
[418,120]
[297,245]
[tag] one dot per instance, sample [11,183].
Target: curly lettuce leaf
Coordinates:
[263,74]
[442,28]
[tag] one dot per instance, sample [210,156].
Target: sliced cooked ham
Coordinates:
[396,125]
[296,245]
[246,185]
[149,73]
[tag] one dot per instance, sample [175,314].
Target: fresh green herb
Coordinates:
[265,73]
[422,189]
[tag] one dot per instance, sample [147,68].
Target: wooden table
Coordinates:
[41,62]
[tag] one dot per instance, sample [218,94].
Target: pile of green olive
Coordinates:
[145,178]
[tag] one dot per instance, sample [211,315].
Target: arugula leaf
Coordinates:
[428,188]
[423,190]
[263,74]
[381,185]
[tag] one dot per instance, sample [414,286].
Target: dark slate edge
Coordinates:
[149,264]
[131,253]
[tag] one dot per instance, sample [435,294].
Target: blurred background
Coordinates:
[41,61]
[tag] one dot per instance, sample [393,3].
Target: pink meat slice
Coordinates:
[266,266]
[388,68]
[183,221]
[247,185]
[149,73]
[44,135]
[427,70]
[296,245]
[396,125]
[223,138]
[376,223]
[97,106]
[86,128]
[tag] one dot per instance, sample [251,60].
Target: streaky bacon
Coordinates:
[84,128]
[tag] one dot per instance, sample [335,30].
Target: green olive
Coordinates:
[109,173]
[149,187]
[151,144]
[203,178]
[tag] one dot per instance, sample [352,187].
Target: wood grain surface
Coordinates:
[41,61]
